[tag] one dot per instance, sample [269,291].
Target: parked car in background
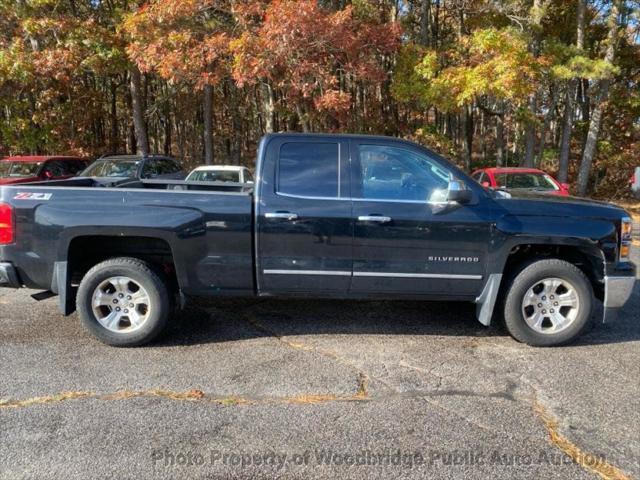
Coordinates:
[221,173]
[635,182]
[26,169]
[115,169]
[516,178]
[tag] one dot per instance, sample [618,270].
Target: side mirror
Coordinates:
[486,184]
[47,175]
[565,186]
[458,192]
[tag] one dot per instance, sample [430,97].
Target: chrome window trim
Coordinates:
[306,197]
[351,199]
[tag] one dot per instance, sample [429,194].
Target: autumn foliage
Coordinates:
[483,82]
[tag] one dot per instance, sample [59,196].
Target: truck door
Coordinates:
[303,216]
[407,240]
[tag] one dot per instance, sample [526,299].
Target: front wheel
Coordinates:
[549,302]
[124,302]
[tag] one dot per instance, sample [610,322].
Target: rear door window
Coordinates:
[309,169]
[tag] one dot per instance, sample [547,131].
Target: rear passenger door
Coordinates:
[304,220]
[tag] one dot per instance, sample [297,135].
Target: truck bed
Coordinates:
[204,228]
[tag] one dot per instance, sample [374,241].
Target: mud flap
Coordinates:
[486,302]
[62,287]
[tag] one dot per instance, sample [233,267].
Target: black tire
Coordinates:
[146,276]
[526,278]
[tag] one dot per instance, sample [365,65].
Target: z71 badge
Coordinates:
[33,196]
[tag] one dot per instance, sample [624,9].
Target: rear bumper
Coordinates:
[9,276]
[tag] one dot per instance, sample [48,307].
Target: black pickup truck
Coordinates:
[334,216]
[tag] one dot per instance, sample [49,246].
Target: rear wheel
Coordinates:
[124,302]
[549,302]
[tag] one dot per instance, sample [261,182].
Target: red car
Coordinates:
[39,168]
[516,178]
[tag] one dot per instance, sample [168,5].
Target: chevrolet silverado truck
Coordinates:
[332,216]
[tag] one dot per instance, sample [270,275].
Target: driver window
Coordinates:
[392,173]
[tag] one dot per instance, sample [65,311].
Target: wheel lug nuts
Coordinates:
[551,310]
[131,305]
[128,297]
[544,311]
[555,304]
[540,305]
[120,295]
[117,309]
[115,301]
[126,311]
[544,298]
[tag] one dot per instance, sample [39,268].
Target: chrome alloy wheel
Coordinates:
[551,305]
[121,304]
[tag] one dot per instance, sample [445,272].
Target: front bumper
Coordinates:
[618,290]
[619,285]
[9,276]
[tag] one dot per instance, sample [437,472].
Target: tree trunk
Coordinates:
[467,141]
[268,108]
[567,125]
[139,124]
[580,24]
[207,117]
[572,91]
[425,21]
[547,121]
[530,134]
[304,122]
[113,140]
[596,113]
[499,140]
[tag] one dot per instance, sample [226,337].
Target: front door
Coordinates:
[407,238]
[305,226]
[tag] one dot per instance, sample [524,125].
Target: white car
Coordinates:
[221,173]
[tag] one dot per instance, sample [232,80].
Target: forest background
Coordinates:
[547,83]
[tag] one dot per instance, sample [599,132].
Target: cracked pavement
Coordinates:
[315,389]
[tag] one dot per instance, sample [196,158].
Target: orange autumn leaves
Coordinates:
[298,47]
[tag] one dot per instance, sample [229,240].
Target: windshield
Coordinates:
[112,168]
[534,181]
[19,169]
[214,176]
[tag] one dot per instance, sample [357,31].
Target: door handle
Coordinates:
[282,215]
[374,218]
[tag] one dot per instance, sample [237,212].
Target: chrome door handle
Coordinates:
[374,218]
[282,215]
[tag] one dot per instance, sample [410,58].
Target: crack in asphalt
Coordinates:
[189,395]
[362,377]
[589,462]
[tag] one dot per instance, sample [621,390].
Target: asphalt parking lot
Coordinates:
[315,389]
